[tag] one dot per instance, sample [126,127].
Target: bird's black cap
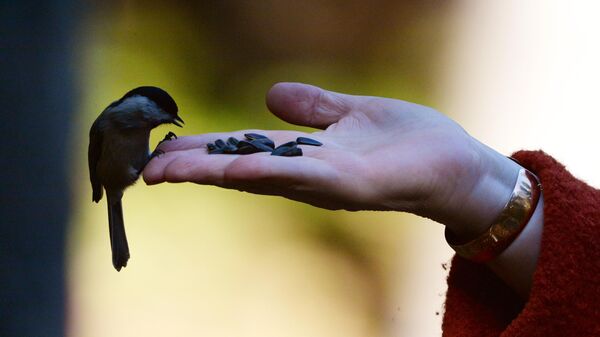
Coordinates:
[157,95]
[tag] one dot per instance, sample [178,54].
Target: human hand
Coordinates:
[378,154]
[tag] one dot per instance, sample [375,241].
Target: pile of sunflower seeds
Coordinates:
[255,142]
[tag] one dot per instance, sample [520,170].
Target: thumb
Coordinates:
[307,105]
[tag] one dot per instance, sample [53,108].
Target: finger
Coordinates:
[190,165]
[307,105]
[271,173]
[275,172]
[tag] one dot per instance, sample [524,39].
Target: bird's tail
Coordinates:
[118,239]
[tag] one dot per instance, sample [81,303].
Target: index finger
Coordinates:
[277,175]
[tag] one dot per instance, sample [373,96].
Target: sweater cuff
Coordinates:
[564,296]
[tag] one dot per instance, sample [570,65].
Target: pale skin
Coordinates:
[378,154]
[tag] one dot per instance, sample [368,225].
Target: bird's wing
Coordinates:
[94,152]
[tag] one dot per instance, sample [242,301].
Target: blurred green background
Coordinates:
[212,262]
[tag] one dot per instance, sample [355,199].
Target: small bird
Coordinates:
[119,151]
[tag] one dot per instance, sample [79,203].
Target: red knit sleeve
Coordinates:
[565,294]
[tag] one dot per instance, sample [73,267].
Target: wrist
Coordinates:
[474,208]
[517,263]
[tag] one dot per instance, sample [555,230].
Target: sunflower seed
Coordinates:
[247,149]
[292,152]
[228,148]
[308,141]
[268,142]
[252,136]
[215,151]
[220,143]
[232,141]
[288,144]
[259,143]
[261,146]
[282,149]
[243,143]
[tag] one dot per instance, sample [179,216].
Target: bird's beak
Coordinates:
[176,121]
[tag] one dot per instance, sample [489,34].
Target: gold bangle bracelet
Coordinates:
[508,225]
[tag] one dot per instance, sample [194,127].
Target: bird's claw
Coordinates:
[154,154]
[157,152]
[169,136]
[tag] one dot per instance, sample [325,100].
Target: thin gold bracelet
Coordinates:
[508,225]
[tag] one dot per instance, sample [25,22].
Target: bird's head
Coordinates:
[145,106]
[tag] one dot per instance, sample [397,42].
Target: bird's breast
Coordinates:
[124,155]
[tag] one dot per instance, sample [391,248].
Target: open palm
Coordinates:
[378,154]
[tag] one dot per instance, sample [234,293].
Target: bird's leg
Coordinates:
[157,152]
[154,154]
